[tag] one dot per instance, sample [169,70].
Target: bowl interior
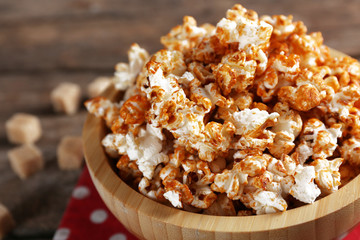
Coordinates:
[341,208]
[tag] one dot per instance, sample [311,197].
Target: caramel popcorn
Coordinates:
[248,116]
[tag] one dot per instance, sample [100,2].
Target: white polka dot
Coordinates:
[81,192]
[342,236]
[118,236]
[98,216]
[61,234]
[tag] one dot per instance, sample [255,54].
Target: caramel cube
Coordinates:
[26,160]
[96,87]
[23,128]
[70,153]
[66,98]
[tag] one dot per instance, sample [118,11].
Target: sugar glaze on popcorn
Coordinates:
[250,116]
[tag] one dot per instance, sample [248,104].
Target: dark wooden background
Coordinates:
[45,42]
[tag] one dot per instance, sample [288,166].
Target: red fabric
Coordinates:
[83,206]
[77,224]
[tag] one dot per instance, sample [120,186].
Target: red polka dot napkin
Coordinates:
[87,217]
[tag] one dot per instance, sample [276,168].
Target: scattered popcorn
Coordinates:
[23,128]
[98,86]
[66,98]
[248,116]
[7,222]
[26,160]
[70,153]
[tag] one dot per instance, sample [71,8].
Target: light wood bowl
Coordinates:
[327,218]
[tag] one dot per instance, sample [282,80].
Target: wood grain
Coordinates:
[96,34]
[327,218]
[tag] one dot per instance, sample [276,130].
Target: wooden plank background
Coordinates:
[43,43]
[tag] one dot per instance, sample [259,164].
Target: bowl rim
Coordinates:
[105,179]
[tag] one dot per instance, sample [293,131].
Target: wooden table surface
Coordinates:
[43,43]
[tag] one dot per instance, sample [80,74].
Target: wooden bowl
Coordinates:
[327,218]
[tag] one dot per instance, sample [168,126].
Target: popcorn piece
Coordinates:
[216,97]
[171,62]
[145,149]
[7,222]
[133,110]
[264,202]
[70,153]
[111,142]
[66,98]
[170,171]
[305,189]
[280,72]
[152,188]
[98,86]
[283,26]
[26,160]
[128,170]
[23,128]
[350,150]
[246,32]
[230,182]
[239,11]
[182,190]
[254,145]
[287,128]
[125,74]
[109,111]
[317,140]
[233,181]
[234,72]
[302,98]
[309,48]
[184,37]
[251,121]
[327,175]
[174,197]
[217,139]
[344,100]
[198,177]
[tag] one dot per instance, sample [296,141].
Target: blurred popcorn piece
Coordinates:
[70,153]
[98,86]
[26,160]
[125,73]
[66,98]
[23,128]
